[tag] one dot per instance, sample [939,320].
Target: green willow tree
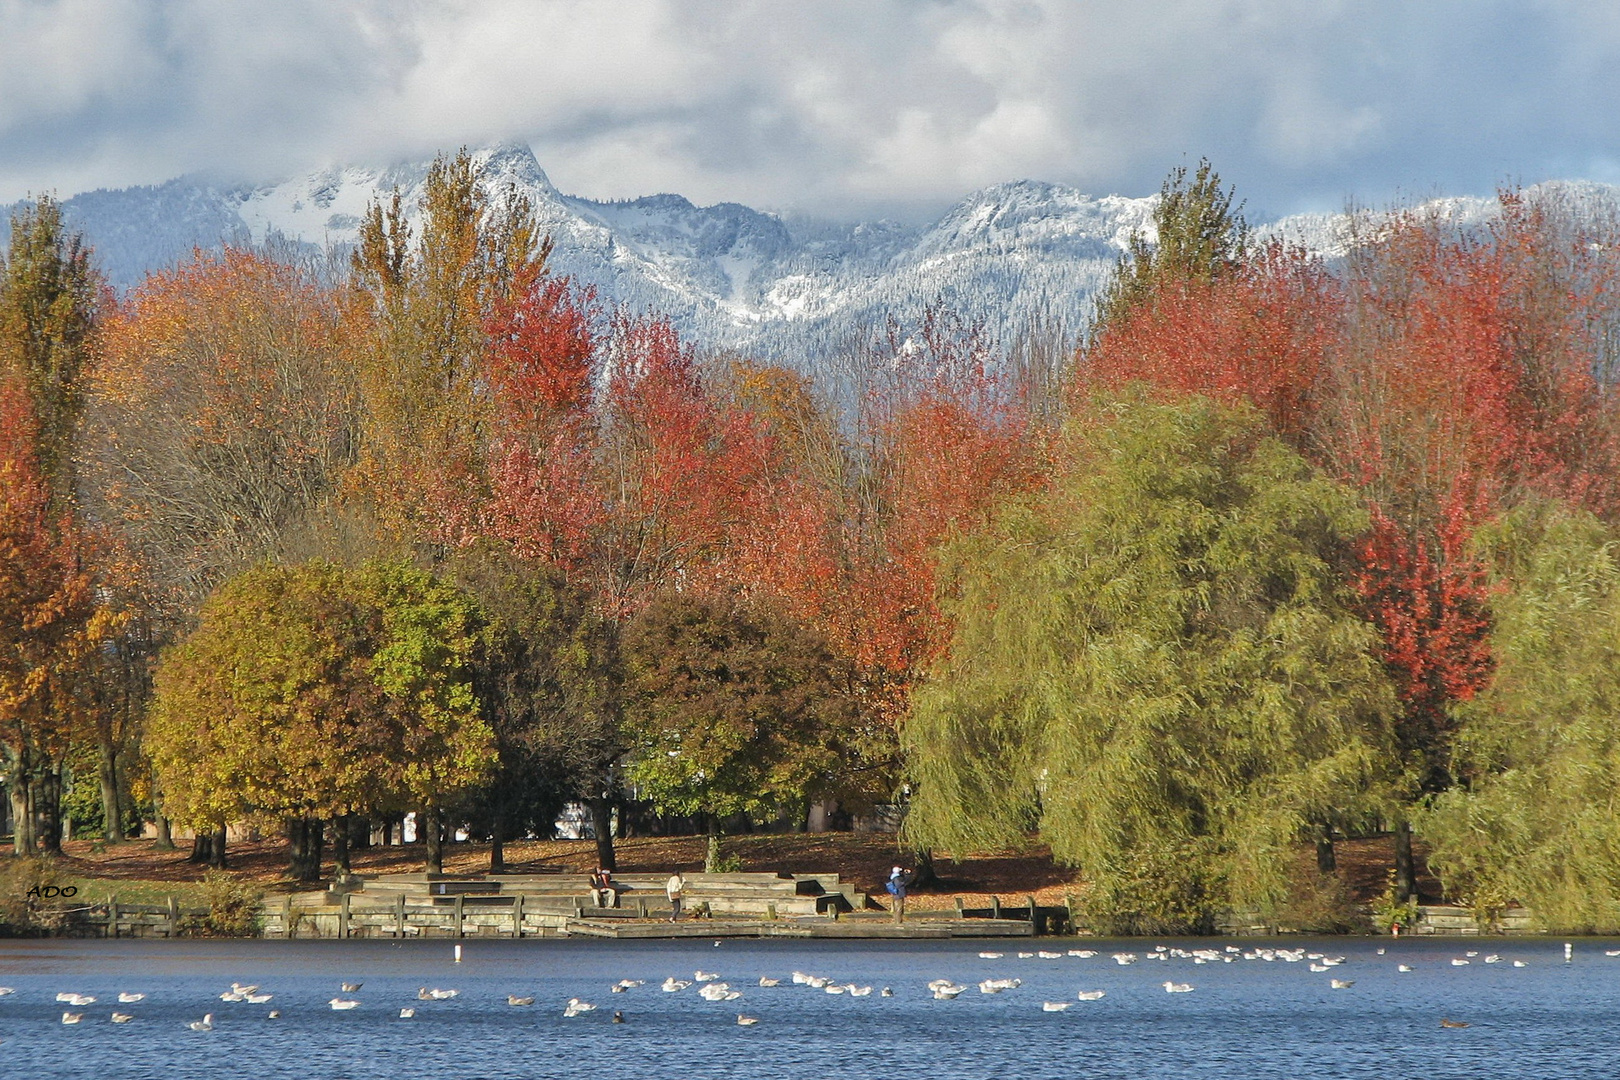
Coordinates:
[1537,757]
[1155,666]
[308,693]
[730,709]
[1199,236]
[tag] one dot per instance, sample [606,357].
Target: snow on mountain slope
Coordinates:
[787,288]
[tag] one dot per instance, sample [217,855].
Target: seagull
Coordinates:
[705,976]
[513,999]
[1459,963]
[232,995]
[1472,953]
[1123,958]
[440,995]
[4,990]
[1084,954]
[673,985]
[1054,1006]
[1091,995]
[1453,1023]
[886,992]
[1520,963]
[205,1024]
[859,991]
[1026,955]
[1342,984]
[991,955]
[948,993]
[72,1017]
[275,1014]
[407,1014]
[347,988]
[1403,967]
[1044,955]
[1493,959]
[126,999]
[1380,950]
[763,981]
[341,1004]
[618,1017]
[122,1018]
[75,999]
[1177,988]
[746,1021]
[259,999]
[245,990]
[576,1007]
[1319,968]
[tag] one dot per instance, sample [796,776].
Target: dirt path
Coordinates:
[863,859]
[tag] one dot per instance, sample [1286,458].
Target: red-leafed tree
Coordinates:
[1443,371]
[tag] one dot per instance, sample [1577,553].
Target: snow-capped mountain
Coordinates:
[730,276]
[727,274]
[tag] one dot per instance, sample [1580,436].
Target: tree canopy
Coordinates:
[1538,754]
[1154,663]
[311,691]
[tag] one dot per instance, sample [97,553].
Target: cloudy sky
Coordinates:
[841,108]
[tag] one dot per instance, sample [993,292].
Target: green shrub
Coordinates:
[25,909]
[233,905]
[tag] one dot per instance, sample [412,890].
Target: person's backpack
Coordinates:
[893,886]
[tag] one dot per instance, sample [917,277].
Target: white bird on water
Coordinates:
[513,999]
[1403,967]
[130,999]
[991,955]
[705,976]
[1459,963]
[343,1004]
[205,1024]
[1091,995]
[122,1018]
[1342,984]
[763,981]
[1178,988]
[406,1014]
[347,988]
[1520,963]
[259,999]
[746,1021]
[1123,958]
[72,1017]
[1054,1006]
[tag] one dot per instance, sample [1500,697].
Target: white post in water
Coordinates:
[1569,951]
[458,953]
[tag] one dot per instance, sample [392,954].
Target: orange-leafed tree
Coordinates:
[48,615]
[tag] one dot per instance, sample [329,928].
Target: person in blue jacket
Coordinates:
[898,880]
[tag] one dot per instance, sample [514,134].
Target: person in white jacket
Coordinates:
[674,888]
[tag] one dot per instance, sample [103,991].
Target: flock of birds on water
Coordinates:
[712,988]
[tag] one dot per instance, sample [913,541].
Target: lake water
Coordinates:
[1243,1019]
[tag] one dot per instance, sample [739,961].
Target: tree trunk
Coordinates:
[602,826]
[497,847]
[359,832]
[340,846]
[711,853]
[304,849]
[22,831]
[202,844]
[431,831]
[216,850]
[820,813]
[112,814]
[924,874]
[1405,872]
[165,834]
[51,827]
[1327,861]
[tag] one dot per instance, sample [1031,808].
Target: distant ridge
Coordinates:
[730,276]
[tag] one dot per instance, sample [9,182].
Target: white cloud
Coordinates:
[848,106]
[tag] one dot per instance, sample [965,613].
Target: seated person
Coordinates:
[603,892]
